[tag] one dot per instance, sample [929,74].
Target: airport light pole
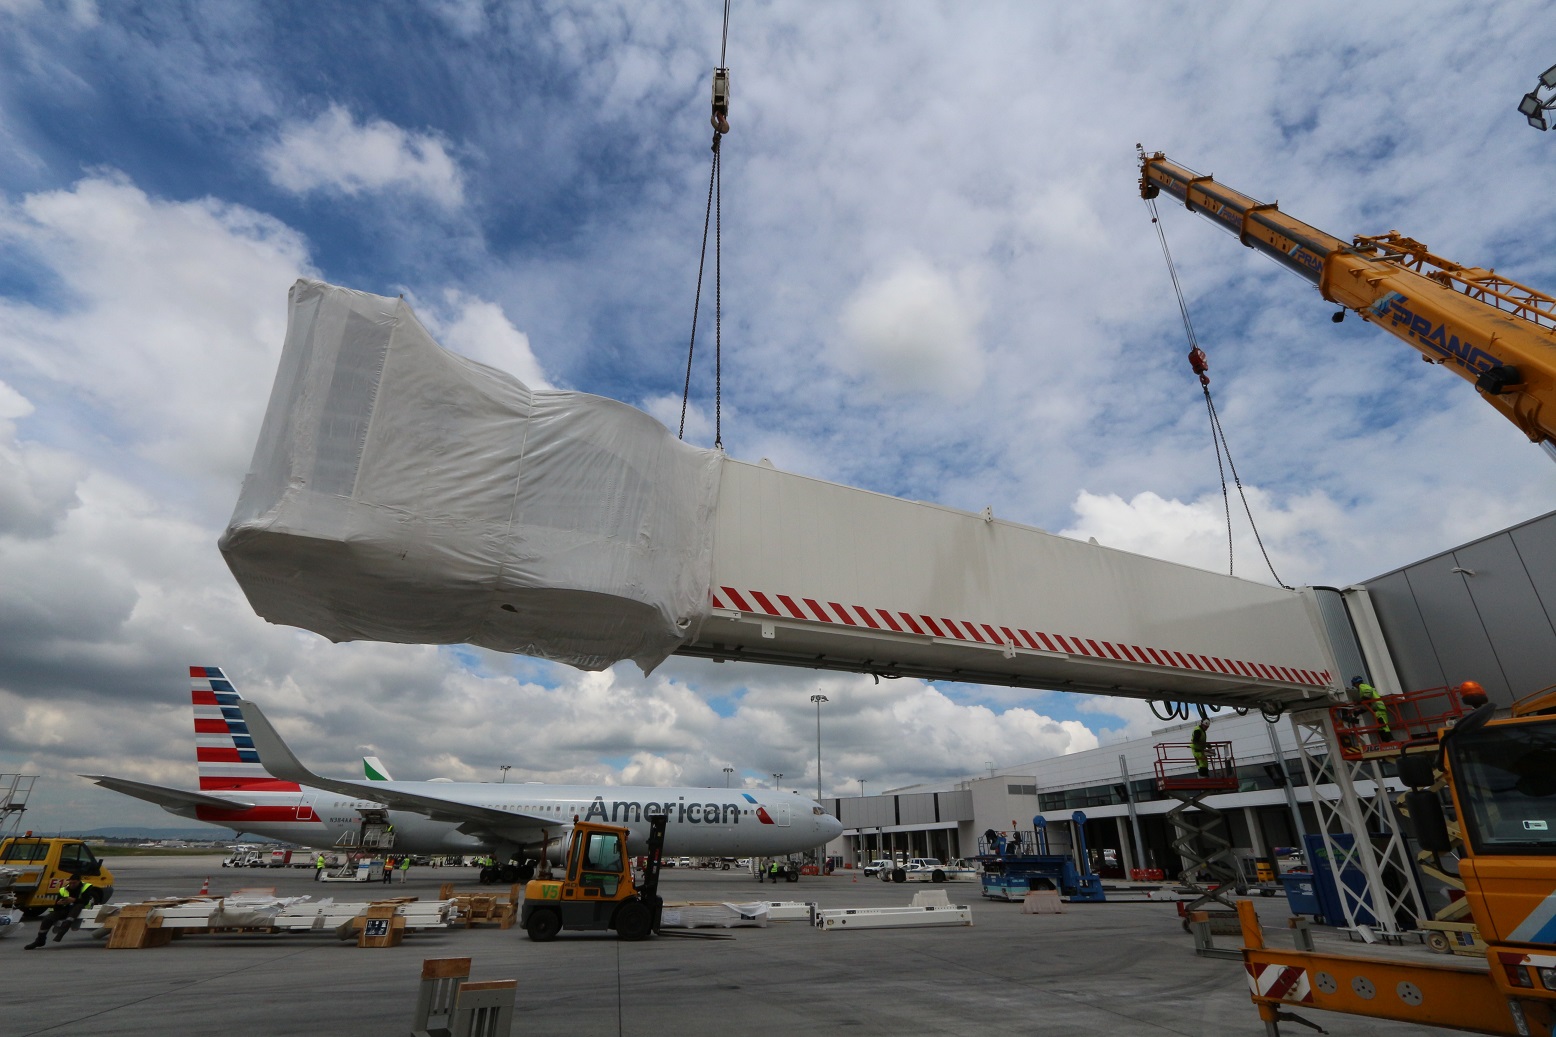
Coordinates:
[727,772]
[505,768]
[776,779]
[861,788]
[818,699]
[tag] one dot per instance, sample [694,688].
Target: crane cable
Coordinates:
[714,213]
[1200,363]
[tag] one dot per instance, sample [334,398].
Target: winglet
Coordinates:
[274,753]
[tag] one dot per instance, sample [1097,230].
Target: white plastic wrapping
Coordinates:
[401,493]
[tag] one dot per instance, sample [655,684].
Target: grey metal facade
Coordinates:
[1482,611]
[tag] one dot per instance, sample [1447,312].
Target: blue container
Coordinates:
[1300,893]
[1324,884]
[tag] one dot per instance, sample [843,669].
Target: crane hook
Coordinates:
[1200,363]
[719,119]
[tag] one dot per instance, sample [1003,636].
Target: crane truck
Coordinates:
[1499,780]
[1488,329]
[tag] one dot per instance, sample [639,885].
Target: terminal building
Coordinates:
[1484,611]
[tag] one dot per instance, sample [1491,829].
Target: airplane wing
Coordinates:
[280,762]
[176,800]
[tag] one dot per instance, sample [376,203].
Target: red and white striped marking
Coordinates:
[784,606]
[1279,982]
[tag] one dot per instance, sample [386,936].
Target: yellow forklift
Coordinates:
[596,889]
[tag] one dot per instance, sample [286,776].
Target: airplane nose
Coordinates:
[831,827]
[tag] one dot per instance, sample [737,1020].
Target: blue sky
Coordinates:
[939,283]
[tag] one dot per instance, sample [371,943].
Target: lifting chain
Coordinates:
[714,214]
[1200,364]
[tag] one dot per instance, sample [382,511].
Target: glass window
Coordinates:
[602,863]
[1506,779]
[25,850]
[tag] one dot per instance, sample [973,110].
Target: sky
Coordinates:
[939,282]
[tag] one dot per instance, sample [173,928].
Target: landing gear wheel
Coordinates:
[633,920]
[938,876]
[543,926]
[526,872]
[792,875]
[1439,942]
[488,876]
[508,874]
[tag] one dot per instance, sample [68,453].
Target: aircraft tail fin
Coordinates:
[224,751]
[374,770]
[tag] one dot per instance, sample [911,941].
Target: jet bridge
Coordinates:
[811,573]
[401,493]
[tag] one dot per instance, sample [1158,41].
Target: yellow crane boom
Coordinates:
[1491,331]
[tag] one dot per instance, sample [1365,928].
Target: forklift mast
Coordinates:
[649,892]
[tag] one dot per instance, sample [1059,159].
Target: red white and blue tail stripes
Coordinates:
[225,753]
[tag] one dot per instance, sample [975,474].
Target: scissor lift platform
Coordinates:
[1201,831]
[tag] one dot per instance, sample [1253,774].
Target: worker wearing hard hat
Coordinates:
[1369,697]
[1197,746]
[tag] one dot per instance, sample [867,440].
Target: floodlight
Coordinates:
[1530,105]
[1538,122]
[1548,77]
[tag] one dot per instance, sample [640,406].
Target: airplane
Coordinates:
[251,781]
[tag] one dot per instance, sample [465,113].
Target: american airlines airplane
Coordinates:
[250,781]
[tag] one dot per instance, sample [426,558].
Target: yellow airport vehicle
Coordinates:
[596,889]
[1499,777]
[43,865]
[1486,328]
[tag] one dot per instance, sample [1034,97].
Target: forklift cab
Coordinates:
[602,864]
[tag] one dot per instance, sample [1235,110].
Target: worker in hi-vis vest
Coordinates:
[1372,700]
[1197,747]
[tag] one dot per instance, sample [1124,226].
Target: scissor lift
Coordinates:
[1201,841]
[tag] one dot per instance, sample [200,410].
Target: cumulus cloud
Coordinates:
[172,316]
[37,485]
[914,329]
[336,154]
[480,330]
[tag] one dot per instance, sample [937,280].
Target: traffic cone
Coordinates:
[205,887]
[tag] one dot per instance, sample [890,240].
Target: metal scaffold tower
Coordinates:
[14,790]
[1361,830]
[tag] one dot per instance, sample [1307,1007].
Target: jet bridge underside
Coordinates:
[810,573]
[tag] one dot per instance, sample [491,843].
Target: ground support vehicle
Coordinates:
[596,890]
[928,869]
[43,865]
[1500,779]
[876,867]
[1012,877]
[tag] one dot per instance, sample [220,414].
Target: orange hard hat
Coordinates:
[1471,688]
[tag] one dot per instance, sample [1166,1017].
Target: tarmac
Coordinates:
[1095,969]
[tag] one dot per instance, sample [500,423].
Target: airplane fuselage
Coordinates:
[702,821]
